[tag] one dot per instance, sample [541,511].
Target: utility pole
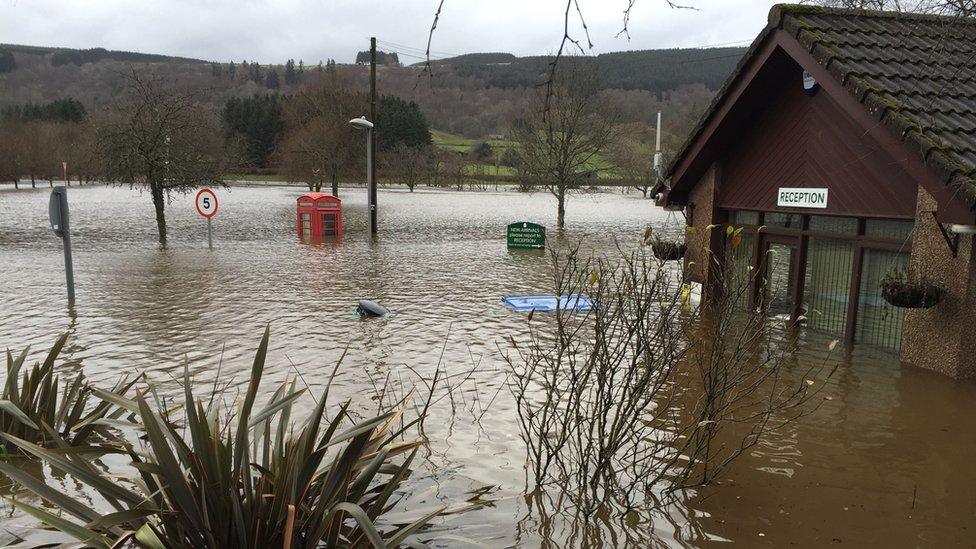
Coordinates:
[657,148]
[372,116]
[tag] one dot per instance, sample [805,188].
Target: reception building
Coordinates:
[845,143]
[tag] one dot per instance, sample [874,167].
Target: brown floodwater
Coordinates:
[885,460]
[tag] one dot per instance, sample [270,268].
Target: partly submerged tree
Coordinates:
[409,165]
[560,142]
[160,139]
[319,144]
[633,160]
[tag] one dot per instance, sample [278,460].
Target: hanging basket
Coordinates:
[668,251]
[910,295]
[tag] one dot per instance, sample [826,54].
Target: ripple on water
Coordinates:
[885,461]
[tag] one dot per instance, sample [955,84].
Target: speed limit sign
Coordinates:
[206,203]
[207,207]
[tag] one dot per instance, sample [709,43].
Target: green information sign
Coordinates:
[526,235]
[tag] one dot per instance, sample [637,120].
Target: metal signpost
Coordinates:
[206,202]
[526,235]
[363,124]
[57,211]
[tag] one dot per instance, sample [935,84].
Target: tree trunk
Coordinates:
[561,209]
[159,203]
[335,183]
[16,183]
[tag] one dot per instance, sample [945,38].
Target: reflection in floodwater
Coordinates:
[884,461]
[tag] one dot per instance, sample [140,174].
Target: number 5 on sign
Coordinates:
[206,202]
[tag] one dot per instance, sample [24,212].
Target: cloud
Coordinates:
[271,31]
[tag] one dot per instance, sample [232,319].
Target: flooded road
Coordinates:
[885,461]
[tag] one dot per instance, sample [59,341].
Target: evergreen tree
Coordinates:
[400,121]
[59,110]
[301,68]
[7,62]
[256,72]
[216,69]
[272,82]
[290,75]
[258,120]
[232,70]
[330,66]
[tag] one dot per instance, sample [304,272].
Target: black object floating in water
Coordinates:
[371,308]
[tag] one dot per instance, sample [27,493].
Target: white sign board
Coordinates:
[801,198]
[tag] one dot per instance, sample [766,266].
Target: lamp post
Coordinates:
[363,124]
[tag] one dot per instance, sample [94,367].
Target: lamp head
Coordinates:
[361,123]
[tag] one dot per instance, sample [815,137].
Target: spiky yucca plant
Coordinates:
[37,408]
[259,480]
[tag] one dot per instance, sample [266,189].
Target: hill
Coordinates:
[473,95]
[651,70]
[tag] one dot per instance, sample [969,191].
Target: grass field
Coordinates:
[460,144]
[457,143]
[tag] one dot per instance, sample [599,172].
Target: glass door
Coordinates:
[779,263]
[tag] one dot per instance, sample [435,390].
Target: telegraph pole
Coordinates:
[372,116]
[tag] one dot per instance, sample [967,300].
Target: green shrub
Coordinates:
[221,478]
[37,408]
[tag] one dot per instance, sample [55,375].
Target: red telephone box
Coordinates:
[319,214]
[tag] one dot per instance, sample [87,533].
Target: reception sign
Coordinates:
[526,235]
[801,198]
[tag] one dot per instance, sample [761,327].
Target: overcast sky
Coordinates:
[270,31]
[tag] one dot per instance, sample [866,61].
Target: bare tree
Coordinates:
[408,165]
[163,140]
[319,145]
[559,144]
[961,8]
[11,161]
[646,393]
[633,160]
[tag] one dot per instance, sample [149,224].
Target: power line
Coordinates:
[417,50]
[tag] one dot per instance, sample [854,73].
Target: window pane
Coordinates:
[738,286]
[778,291]
[789,221]
[889,228]
[827,224]
[877,322]
[741,218]
[827,283]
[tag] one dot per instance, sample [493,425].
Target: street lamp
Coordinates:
[363,124]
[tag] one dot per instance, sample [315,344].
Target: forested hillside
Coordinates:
[651,70]
[475,96]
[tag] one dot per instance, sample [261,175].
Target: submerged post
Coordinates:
[371,164]
[363,124]
[58,213]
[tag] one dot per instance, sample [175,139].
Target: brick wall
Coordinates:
[942,338]
[702,200]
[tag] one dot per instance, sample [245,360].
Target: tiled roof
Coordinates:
[915,73]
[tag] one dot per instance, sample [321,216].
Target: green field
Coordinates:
[460,144]
[457,143]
